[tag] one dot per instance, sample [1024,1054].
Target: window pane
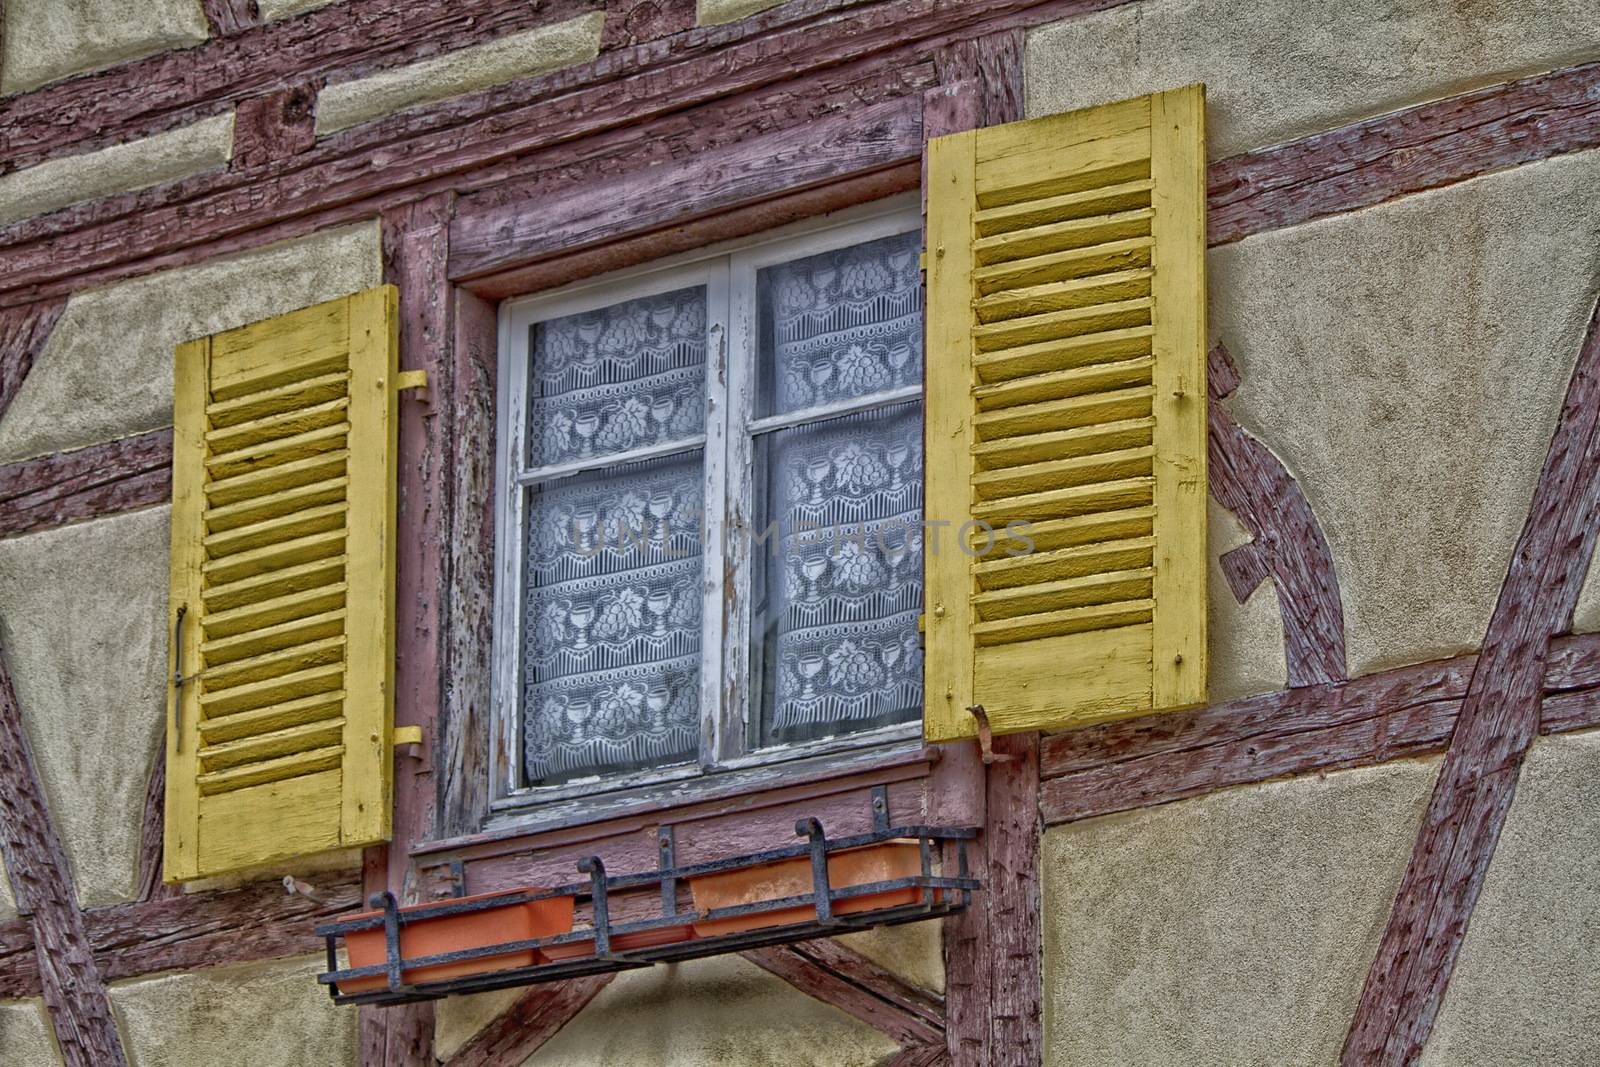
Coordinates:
[840,325]
[611,654]
[837,587]
[622,377]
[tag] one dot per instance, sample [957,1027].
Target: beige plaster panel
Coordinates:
[1244,642]
[457,1020]
[914,951]
[271,1014]
[1586,617]
[82,620]
[1408,364]
[8,899]
[1234,928]
[706,1013]
[49,39]
[121,168]
[1525,991]
[280,9]
[106,371]
[26,1037]
[717,12]
[516,55]
[1278,70]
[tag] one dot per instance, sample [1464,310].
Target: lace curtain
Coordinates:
[611,657]
[841,325]
[838,595]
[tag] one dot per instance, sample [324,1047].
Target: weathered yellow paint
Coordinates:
[283,565]
[948,433]
[181,845]
[1066,391]
[1178,169]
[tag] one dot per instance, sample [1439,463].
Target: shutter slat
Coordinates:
[283,537]
[275,744]
[263,720]
[273,770]
[1066,417]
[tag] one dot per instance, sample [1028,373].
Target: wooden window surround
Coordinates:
[477,845]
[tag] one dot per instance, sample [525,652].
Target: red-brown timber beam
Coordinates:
[244,59]
[836,975]
[23,333]
[72,985]
[1498,721]
[1286,541]
[479,139]
[530,1021]
[87,483]
[1400,714]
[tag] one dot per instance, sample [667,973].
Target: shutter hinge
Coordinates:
[413,379]
[410,736]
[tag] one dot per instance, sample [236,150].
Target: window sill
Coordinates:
[750,789]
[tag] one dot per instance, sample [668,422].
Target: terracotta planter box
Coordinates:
[665,935]
[791,878]
[452,933]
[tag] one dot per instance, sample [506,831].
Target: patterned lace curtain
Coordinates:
[611,657]
[840,587]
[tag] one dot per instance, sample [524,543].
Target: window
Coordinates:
[710,535]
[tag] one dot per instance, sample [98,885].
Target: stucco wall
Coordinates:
[271,1014]
[708,1013]
[1244,642]
[1278,69]
[1408,363]
[49,39]
[517,55]
[121,168]
[106,371]
[26,1038]
[1524,992]
[82,615]
[1234,928]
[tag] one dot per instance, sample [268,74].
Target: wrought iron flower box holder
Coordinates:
[941,895]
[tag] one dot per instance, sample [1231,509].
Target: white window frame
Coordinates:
[728,274]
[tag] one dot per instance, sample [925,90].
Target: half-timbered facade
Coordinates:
[457,447]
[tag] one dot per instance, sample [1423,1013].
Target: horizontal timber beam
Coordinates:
[1402,713]
[191,931]
[87,483]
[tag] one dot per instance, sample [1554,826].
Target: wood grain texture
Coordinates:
[275,126]
[152,834]
[227,17]
[349,175]
[1419,148]
[460,756]
[86,483]
[1499,719]
[821,151]
[159,92]
[1399,714]
[531,1020]
[23,333]
[631,22]
[416,243]
[1011,901]
[70,982]
[188,932]
[861,989]
[1287,544]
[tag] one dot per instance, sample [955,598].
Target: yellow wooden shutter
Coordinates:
[283,529]
[1066,390]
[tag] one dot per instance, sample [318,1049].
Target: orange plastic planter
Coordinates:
[791,878]
[664,935]
[452,933]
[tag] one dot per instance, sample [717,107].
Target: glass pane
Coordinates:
[840,325]
[622,377]
[611,653]
[837,586]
